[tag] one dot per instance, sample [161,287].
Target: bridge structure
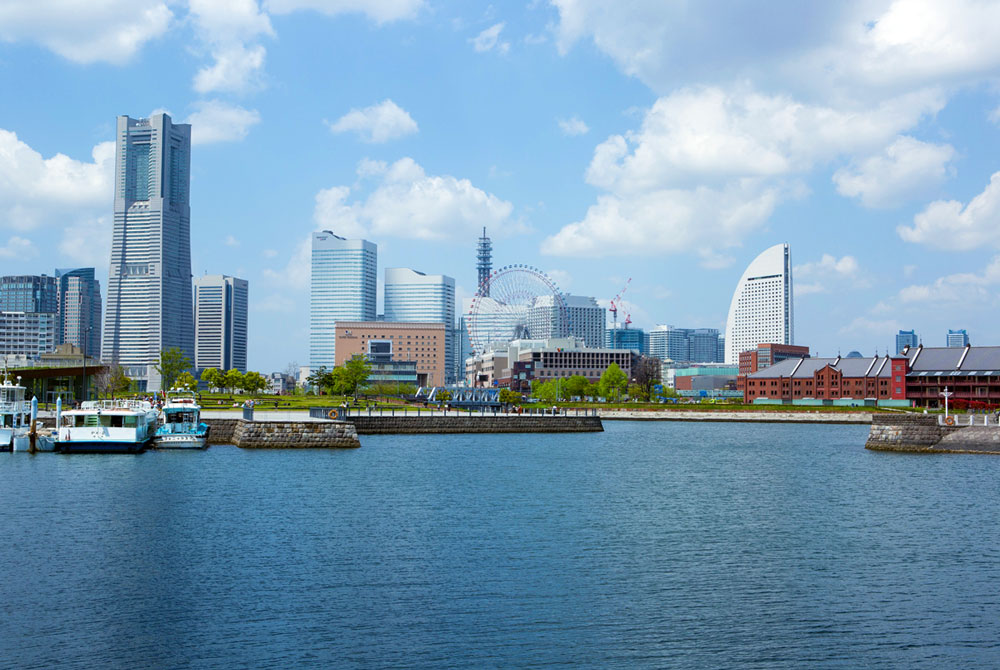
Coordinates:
[460,396]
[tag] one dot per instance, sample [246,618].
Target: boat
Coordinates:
[15,412]
[182,427]
[107,426]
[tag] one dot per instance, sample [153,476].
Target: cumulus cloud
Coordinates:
[407,202]
[217,121]
[573,126]
[87,241]
[865,326]
[829,273]
[904,170]
[489,39]
[380,11]
[708,166]
[35,191]
[995,115]
[378,123]
[963,287]
[231,241]
[947,224]
[111,31]
[229,28]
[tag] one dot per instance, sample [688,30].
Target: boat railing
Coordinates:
[13,407]
[137,405]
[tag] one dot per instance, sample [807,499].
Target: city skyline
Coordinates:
[594,149]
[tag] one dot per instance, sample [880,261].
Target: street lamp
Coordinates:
[946,394]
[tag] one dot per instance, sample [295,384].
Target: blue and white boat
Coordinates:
[182,427]
[15,412]
[107,426]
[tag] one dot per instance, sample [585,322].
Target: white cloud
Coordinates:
[378,123]
[573,126]
[960,288]
[217,121]
[269,253]
[87,241]
[947,224]
[18,248]
[829,273]
[36,191]
[231,241]
[334,213]
[563,279]
[381,11]
[228,28]
[849,49]
[666,220]
[111,31]
[489,40]
[994,116]
[864,326]
[905,169]
[237,68]
[708,166]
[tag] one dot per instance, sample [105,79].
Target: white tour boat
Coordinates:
[107,426]
[15,413]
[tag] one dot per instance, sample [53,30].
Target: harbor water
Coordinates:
[653,544]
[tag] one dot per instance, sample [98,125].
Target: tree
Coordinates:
[232,380]
[613,382]
[172,363]
[186,380]
[442,396]
[212,377]
[646,374]
[509,397]
[112,380]
[545,391]
[574,386]
[254,382]
[320,379]
[637,392]
[355,373]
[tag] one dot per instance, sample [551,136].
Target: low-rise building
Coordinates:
[280,383]
[389,344]
[555,358]
[881,378]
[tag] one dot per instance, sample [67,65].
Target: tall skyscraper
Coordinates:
[78,297]
[906,338]
[220,322]
[28,315]
[413,296]
[761,309]
[958,338]
[342,288]
[484,263]
[149,280]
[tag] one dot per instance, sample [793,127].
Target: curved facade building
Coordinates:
[761,310]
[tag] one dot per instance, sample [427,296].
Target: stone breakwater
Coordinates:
[390,425]
[744,416]
[283,434]
[920,433]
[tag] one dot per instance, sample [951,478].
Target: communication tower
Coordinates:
[484,257]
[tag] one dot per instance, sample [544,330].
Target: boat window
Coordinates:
[130,421]
[8,420]
[81,420]
[116,421]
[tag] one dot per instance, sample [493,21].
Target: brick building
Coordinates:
[878,377]
[423,344]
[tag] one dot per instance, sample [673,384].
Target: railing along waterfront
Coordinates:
[969,420]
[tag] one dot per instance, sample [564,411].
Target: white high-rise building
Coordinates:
[342,288]
[761,309]
[413,296]
[586,319]
[220,322]
[149,280]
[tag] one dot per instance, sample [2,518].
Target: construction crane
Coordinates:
[616,303]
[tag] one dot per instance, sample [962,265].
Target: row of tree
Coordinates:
[343,380]
[613,384]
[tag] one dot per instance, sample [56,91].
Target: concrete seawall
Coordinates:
[392,425]
[744,416]
[283,434]
[920,433]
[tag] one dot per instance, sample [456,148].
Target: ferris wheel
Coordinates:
[516,302]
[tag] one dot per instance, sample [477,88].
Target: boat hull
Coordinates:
[100,447]
[176,441]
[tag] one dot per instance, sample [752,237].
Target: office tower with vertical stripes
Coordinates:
[220,322]
[78,298]
[342,288]
[413,296]
[149,280]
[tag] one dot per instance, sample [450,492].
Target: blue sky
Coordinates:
[669,142]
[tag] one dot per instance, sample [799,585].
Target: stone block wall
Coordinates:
[388,425]
[906,432]
[283,434]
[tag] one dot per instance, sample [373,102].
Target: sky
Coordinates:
[664,142]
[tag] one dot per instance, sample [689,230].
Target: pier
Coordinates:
[933,434]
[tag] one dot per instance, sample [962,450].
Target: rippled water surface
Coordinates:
[650,545]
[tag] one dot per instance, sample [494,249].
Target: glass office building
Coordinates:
[220,322]
[412,296]
[342,288]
